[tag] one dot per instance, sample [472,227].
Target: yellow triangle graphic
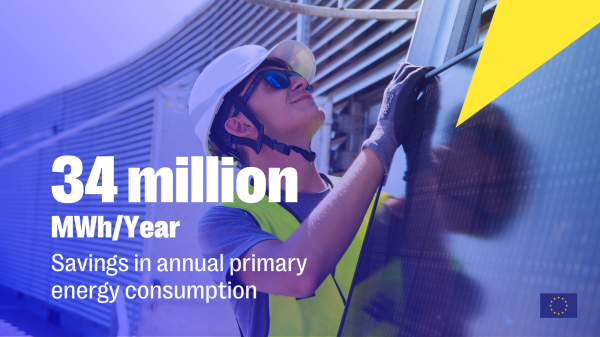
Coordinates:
[523,35]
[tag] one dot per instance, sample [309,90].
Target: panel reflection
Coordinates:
[497,211]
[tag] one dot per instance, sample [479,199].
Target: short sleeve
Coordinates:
[228,231]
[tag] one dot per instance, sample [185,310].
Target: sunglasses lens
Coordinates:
[277,79]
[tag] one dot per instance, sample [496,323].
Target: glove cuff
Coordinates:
[383,142]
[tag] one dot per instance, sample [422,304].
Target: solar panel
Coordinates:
[497,211]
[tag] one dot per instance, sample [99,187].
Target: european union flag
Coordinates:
[558,305]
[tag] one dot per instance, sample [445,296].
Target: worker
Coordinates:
[255,105]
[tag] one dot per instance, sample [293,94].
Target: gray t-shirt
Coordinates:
[231,232]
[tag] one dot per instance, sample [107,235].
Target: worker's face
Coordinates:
[290,115]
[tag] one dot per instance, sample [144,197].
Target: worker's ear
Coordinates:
[240,126]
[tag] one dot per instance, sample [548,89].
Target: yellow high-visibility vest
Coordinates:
[321,314]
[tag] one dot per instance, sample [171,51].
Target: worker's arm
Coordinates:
[325,235]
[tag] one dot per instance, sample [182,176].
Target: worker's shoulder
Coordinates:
[226,230]
[220,215]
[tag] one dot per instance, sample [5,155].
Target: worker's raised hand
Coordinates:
[398,105]
[417,143]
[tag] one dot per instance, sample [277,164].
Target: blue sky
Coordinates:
[50,44]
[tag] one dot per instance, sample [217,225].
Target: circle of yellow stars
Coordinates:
[560,299]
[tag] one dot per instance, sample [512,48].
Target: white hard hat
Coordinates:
[229,69]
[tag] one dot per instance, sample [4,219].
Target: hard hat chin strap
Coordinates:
[261,139]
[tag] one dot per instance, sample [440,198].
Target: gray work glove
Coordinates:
[399,99]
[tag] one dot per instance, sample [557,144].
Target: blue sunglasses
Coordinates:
[276,78]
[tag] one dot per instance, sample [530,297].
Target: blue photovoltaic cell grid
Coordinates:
[497,211]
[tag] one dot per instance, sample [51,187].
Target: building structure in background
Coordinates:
[138,114]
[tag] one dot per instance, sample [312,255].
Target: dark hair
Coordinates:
[217,142]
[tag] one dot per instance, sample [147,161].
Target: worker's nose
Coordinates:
[298,83]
